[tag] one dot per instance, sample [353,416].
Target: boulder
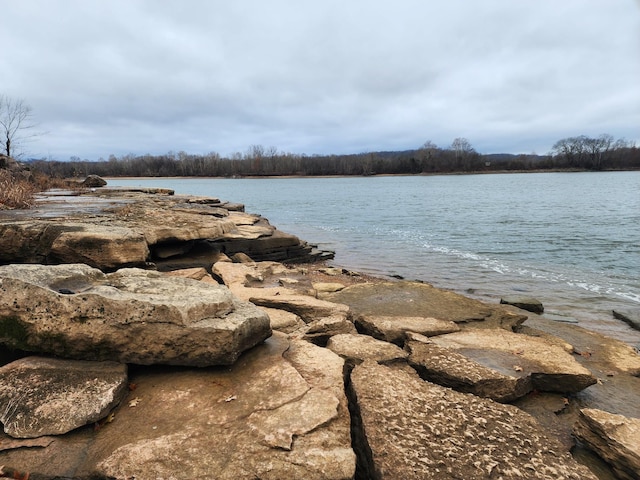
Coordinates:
[412,429]
[449,368]
[357,348]
[394,329]
[130,316]
[414,299]
[550,367]
[321,330]
[615,438]
[525,303]
[46,396]
[93,181]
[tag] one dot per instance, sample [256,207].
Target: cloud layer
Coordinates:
[149,76]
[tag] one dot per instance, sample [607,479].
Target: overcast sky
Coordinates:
[319,76]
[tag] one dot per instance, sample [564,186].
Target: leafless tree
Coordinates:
[16,125]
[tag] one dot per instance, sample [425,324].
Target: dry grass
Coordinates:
[15,192]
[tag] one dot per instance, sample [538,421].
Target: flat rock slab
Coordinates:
[45,396]
[280,412]
[394,329]
[449,368]
[525,303]
[413,299]
[631,317]
[418,430]
[550,367]
[358,348]
[130,316]
[615,438]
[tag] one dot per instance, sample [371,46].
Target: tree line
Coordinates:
[572,153]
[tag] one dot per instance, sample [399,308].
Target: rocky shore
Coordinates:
[147,335]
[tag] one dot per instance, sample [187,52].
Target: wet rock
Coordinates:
[615,438]
[46,396]
[130,316]
[357,348]
[449,368]
[631,317]
[413,299]
[394,329]
[525,303]
[550,367]
[412,429]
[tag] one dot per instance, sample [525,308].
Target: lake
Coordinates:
[572,240]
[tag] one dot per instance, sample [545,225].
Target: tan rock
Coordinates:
[551,368]
[306,307]
[393,328]
[46,396]
[321,330]
[357,348]
[130,316]
[615,438]
[418,430]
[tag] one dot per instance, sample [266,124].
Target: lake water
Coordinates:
[571,240]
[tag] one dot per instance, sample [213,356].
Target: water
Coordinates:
[571,240]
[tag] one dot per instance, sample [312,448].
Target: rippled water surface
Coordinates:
[570,239]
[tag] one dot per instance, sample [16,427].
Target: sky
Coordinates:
[117,77]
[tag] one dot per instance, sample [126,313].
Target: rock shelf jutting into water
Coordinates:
[147,336]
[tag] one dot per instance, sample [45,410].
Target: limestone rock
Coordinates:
[45,396]
[393,329]
[413,299]
[615,438]
[418,430]
[550,367]
[283,321]
[525,303]
[327,287]
[320,331]
[130,316]
[279,413]
[449,368]
[306,307]
[358,348]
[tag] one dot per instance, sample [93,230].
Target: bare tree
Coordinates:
[15,124]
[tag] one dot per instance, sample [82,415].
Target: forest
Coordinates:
[572,153]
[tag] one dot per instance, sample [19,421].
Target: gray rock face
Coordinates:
[130,316]
[419,430]
[615,438]
[549,366]
[525,303]
[393,329]
[44,396]
[631,317]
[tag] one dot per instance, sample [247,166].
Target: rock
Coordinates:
[615,438]
[283,321]
[320,331]
[525,303]
[306,307]
[327,287]
[448,368]
[130,316]
[550,367]
[115,228]
[197,273]
[46,396]
[412,429]
[631,317]
[357,348]
[93,181]
[394,329]
[414,299]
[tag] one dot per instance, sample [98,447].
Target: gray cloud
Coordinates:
[143,76]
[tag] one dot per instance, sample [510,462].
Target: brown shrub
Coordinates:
[15,192]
